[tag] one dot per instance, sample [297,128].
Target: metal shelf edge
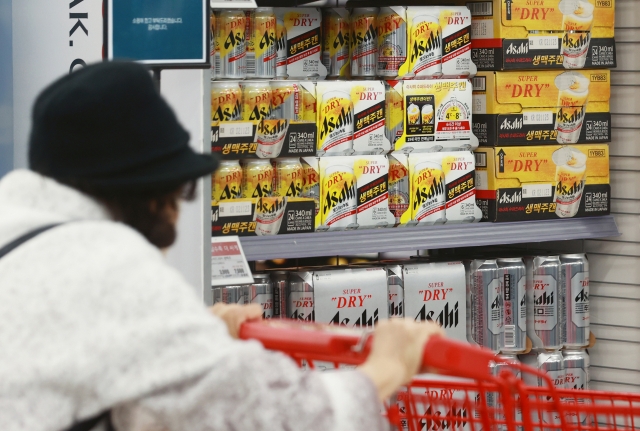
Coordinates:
[428,237]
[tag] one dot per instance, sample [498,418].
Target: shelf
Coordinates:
[428,237]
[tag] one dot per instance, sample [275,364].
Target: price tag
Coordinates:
[228,264]
[536,191]
[544,42]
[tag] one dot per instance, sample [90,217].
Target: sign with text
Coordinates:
[228,264]
[167,33]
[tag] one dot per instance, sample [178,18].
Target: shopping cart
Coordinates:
[482,391]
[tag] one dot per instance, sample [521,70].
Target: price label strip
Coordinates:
[228,263]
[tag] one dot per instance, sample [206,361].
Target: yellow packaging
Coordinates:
[256,100]
[226,101]
[288,178]
[311,183]
[257,178]
[309,111]
[226,182]
[338,201]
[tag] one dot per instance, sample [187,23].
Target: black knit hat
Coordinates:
[107,125]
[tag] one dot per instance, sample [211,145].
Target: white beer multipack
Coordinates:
[354,193]
[351,118]
[351,297]
[437,292]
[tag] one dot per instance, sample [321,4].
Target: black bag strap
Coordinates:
[89,424]
[24,238]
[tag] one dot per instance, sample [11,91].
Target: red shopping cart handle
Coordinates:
[351,346]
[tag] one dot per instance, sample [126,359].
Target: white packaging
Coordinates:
[437,292]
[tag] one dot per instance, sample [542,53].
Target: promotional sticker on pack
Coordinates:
[542,107]
[437,116]
[543,182]
[353,297]
[437,292]
[354,193]
[442,188]
[300,42]
[351,118]
[543,34]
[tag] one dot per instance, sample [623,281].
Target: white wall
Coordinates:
[615,262]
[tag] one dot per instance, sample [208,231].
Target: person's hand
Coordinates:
[396,353]
[234,315]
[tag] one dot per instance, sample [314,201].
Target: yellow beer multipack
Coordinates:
[543,34]
[543,182]
[542,107]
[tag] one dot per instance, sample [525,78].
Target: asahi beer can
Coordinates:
[351,297]
[512,275]
[437,292]
[261,49]
[575,48]
[392,41]
[335,46]
[233,295]
[269,215]
[300,299]
[364,42]
[547,308]
[394,114]
[309,110]
[256,100]
[487,297]
[398,188]
[429,199]
[576,367]
[395,283]
[286,101]
[261,292]
[226,182]
[505,361]
[281,49]
[231,44]
[574,288]
[551,363]
[339,206]
[226,101]
[288,177]
[425,46]
[335,124]
[212,44]
[311,182]
[257,178]
[217,294]
[280,281]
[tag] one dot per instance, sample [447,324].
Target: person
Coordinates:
[93,320]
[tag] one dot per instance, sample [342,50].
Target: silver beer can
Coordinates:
[364,42]
[281,49]
[552,364]
[504,362]
[547,306]
[217,294]
[300,299]
[261,292]
[395,282]
[280,281]
[231,44]
[576,367]
[487,303]
[392,42]
[512,274]
[233,295]
[286,101]
[574,288]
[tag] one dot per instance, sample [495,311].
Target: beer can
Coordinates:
[226,182]
[256,100]
[261,292]
[335,42]
[364,42]
[261,48]
[425,52]
[231,44]
[395,283]
[552,364]
[288,177]
[257,178]
[398,188]
[428,189]
[300,299]
[217,294]
[487,303]
[233,295]
[309,103]
[280,281]
[576,367]
[574,288]
[512,275]
[505,361]
[286,101]
[311,184]
[394,114]
[281,49]
[341,213]
[212,44]
[226,101]
[335,124]
[392,42]
[547,309]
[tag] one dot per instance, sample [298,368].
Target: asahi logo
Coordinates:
[582,296]
[331,123]
[298,315]
[364,320]
[456,418]
[514,198]
[544,299]
[447,317]
[516,124]
[523,48]
[422,46]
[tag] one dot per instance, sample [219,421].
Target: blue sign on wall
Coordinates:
[159,32]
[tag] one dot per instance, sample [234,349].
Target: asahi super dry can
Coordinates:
[309,110]
[256,96]
[398,188]
[335,124]
[425,46]
[311,183]
[286,101]
[217,294]
[392,42]
[227,181]
[288,177]
[428,190]
[339,204]
[394,114]
[231,44]
[226,101]
[574,288]
[300,298]
[280,281]
[395,283]
[487,303]
[233,294]
[576,367]
[335,46]
[547,307]
[261,292]
[281,49]
[364,42]
[512,274]
[261,51]
[257,178]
